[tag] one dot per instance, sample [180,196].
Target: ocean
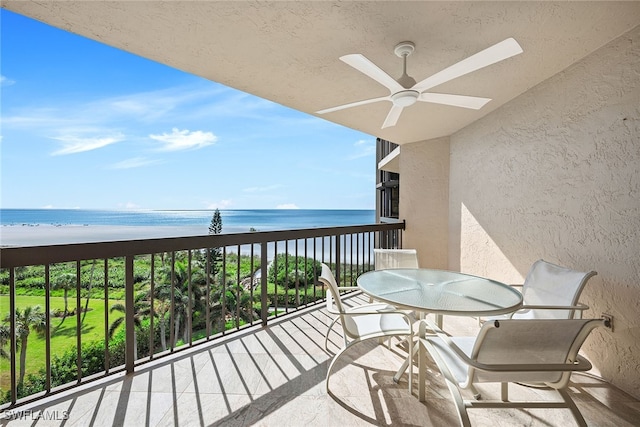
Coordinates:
[232,220]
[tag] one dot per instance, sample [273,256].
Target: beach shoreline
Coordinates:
[31,235]
[46,234]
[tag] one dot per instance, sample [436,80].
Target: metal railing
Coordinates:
[174,293]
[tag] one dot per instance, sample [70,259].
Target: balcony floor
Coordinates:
[276,377]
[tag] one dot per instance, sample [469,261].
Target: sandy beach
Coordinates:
[40,235]
[36,235]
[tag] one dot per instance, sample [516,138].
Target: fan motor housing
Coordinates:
[405,98]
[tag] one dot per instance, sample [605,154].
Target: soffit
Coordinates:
[288,52]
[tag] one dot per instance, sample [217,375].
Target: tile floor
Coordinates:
[276,377]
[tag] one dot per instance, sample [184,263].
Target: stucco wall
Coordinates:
[424,200]
[555,174]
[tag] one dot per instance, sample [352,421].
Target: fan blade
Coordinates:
[496,53]
[353,104]
[472,102]
[362,64]
[392,117]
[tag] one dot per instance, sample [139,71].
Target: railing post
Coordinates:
[12,331]
[264,310]
[78,322]
[47,313]
[129,355]
[338,278]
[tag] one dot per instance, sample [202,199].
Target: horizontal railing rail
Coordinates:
[153,297]
[47,254]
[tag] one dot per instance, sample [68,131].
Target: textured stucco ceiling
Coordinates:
[288,52]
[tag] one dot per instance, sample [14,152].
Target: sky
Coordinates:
[84,125]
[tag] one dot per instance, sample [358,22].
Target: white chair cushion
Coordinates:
[370,324]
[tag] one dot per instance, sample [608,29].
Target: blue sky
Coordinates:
[88,126]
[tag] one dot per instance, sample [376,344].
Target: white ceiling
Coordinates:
[288,52]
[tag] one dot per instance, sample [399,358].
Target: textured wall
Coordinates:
[555,174]
[424,200]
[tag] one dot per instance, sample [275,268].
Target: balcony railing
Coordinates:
[154,297]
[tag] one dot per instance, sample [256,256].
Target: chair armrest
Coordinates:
[404,313]
[553,307]
[329,298]
[347,288]
[581,364]
[577,310]
[424,324]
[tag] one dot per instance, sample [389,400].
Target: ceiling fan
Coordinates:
[405,91]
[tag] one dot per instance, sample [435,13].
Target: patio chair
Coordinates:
[541,351]
[399,258]
[551,292]
[364,321]
[395,258]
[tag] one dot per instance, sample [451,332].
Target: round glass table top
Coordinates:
[440,291]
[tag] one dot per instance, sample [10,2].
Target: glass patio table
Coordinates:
[440,292]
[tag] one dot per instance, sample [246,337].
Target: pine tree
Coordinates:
[215,227]
[215,254]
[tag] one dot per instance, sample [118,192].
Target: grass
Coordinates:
[30,286]
[63,334]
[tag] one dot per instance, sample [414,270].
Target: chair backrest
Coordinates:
[395,258]
[333,297]
[516,343]
[550,284]
[329,281]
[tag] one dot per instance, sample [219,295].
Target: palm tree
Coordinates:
[66,282]
[86,304]
[30,317]
[5,338]
[181,301]
[160,310]
[141,309]
[238,302]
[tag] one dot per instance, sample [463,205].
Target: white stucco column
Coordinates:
[424,200]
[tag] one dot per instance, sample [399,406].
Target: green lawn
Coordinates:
[63,334]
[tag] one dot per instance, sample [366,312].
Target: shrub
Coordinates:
[287,270]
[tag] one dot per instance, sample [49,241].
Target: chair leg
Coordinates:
[422,371]
[411,353]
[452,385]
[475,392]
[335,358]
[504,392]
[405,365]
[439,320]
[572,407]
[326,337]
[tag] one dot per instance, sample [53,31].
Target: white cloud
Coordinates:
[134,162]
[262,189]
[222,204]
[4,81]
[73,144]
[128,205]
[364,148]
[287,206]
[184,139]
